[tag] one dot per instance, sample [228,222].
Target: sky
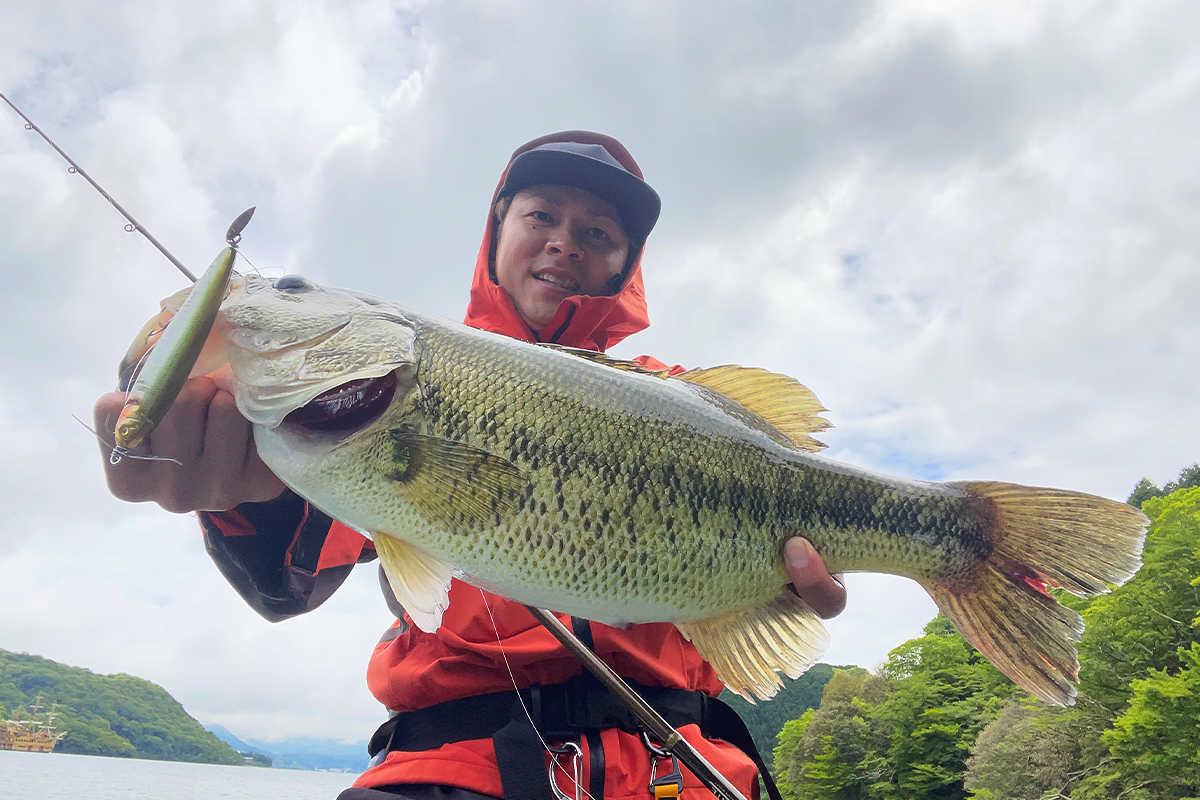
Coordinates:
[970,228]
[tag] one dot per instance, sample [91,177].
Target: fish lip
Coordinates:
[347,407]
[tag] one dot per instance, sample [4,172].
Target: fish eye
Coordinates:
[292,283]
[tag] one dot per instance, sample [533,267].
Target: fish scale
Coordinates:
[570,481]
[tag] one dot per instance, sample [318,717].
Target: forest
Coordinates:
[939,721]
[108,715]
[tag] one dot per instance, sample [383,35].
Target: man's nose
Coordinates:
[562,242]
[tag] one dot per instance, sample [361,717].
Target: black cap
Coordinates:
[592,168]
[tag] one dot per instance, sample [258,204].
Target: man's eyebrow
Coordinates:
[595,211]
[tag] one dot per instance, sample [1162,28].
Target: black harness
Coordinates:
[581,707]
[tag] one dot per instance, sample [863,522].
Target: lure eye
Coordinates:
[292,283]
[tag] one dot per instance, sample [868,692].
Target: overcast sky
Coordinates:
[973,229]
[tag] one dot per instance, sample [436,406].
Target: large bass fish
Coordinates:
[568,480]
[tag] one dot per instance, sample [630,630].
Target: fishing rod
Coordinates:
[133,225]
[655,725]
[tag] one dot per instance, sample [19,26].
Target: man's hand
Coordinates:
[219,467]
[823,592]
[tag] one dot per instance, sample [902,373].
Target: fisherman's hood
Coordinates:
[592,323]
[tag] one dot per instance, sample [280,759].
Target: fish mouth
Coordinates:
[348,407]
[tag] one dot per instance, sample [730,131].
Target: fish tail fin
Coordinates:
[748,648]
[1041,538]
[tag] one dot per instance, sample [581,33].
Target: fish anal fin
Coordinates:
[1041,537]
[420,582]
[453,484]
[786,404]
[748,648]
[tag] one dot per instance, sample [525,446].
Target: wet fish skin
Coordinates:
[561,481]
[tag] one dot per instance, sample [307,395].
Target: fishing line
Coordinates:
[553,756]
[133,225]
[246,258]
[141,362]
[120,452]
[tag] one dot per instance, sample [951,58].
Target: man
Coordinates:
[560,263]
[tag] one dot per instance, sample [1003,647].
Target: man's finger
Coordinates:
[180,434]
[823,593]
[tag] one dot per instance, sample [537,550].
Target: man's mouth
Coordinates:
[561,281]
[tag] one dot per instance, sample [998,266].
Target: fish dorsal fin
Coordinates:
[420,582]
[607,360]
[748,648]
[452,484]
[788,405]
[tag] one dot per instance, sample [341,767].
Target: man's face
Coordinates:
[555,242]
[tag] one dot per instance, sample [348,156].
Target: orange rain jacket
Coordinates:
[286,558]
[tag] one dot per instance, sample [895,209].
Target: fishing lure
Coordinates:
[169,361]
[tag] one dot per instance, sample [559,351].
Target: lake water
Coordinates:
[42,776]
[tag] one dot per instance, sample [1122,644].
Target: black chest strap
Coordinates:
[561,712]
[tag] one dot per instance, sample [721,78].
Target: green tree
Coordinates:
[1142,626]
[1156,740]
[944,693]
[1029,750]
[1189,477]
[829,759]
[790,737]
[903,734]
[765,720]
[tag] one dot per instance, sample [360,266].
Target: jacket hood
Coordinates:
[592,323]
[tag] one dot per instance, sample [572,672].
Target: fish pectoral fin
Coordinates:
[420,582]
[784,403]
[453,484]
[748,648]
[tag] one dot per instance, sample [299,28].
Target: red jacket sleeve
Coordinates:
[283,557]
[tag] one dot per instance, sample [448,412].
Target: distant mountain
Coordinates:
[226,736]
[108,715]
[302,752]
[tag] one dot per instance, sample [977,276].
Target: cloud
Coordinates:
[969,228]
